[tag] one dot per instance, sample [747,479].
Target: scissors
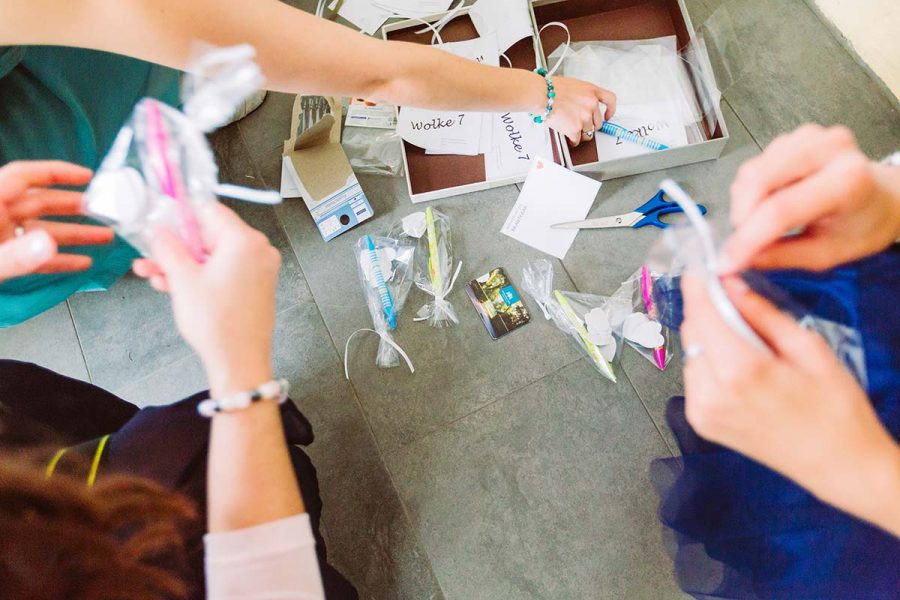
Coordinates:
[648,213]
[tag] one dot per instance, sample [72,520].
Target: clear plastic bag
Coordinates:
[385,273]
[160,170]
[642,329]
[593,322]
[693,246]
[435,274]
[374,151]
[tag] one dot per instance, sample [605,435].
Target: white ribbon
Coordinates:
[566,48]
[385,338]
[439,297]
[439,25]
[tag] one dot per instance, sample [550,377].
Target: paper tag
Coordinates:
[516,141]
[509,20]
[481,49]
[658,121]
[441,131]
[551,194]
[414,8]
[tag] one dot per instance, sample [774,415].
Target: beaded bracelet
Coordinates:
[273,391]
[551,94]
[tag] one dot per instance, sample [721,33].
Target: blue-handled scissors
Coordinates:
[648,213]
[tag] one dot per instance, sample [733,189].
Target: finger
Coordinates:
[779,330]
[18,176]
[66,263]
[799,205]
[170,253]
[609,99]
[43,202]
[26,254]
[145,268]
[160,284]
[574,137]
[809,251]
[73,234]
[787,159]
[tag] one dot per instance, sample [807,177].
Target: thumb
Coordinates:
[173,257]
[24,255]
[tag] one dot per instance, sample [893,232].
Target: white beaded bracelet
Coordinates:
[272,391]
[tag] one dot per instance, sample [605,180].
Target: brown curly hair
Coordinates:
[121,539]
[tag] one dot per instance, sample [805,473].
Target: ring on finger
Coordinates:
[18,231]
[588,133]
[692,351]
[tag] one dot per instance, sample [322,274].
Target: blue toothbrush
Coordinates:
[387,302]
[620,132]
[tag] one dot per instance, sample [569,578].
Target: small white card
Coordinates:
[508,19]
[516,141]
[441,132]
[551,194]
[658,121]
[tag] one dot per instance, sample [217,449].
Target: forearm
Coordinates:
[250,478]
[297,51]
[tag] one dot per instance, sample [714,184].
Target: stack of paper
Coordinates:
[370,15]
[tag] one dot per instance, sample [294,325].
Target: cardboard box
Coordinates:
[315,167]
[430,177]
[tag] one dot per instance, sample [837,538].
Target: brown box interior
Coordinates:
[598,20]
[432,172]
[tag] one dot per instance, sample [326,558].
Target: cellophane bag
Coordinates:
[160,170]
[594,323]
[385,271]
[642,329]
[693,246]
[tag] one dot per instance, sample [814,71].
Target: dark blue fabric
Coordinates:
[740,530]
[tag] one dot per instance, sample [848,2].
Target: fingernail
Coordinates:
[40,246]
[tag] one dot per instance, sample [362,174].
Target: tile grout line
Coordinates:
[362,411]
[746,128]
[640,398]
[87,367]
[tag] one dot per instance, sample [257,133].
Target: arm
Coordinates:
[795,409]
[818,181]
[300,53]
[225,309]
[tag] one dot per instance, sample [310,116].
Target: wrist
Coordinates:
[534,97]
[232,377]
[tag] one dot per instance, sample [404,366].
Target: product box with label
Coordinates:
[612,22]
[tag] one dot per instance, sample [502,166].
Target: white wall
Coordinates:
[873,28]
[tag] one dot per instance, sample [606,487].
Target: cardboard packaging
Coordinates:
[430,177]
[315,167]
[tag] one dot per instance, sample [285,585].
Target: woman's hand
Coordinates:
[817,180]
[29,245]
[224,308]
[794,408]
[576,108]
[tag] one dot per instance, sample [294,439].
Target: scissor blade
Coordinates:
[626,220]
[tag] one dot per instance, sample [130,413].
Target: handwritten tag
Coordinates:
[442,132]
[658,121]
[516,141]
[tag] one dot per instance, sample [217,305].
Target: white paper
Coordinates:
[443,132]
[364,14]
[363,113]
[551,194]
[289,188]
[516,141]
[481,49]
[413,8]
[508,19]
[658,121]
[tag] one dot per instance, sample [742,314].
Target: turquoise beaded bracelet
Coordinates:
[551,94]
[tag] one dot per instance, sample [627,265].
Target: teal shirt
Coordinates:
[68,104]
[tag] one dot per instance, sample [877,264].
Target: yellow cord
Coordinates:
[95,464]
[51,466]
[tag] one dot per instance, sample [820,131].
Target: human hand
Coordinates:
[225,307]
[29,245]
[818,180]
[794,408]
[576,108]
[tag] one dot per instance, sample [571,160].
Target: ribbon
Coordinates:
[384,338]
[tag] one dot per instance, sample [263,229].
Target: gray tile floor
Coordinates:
[521,476]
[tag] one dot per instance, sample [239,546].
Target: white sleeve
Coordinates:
[272,561]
